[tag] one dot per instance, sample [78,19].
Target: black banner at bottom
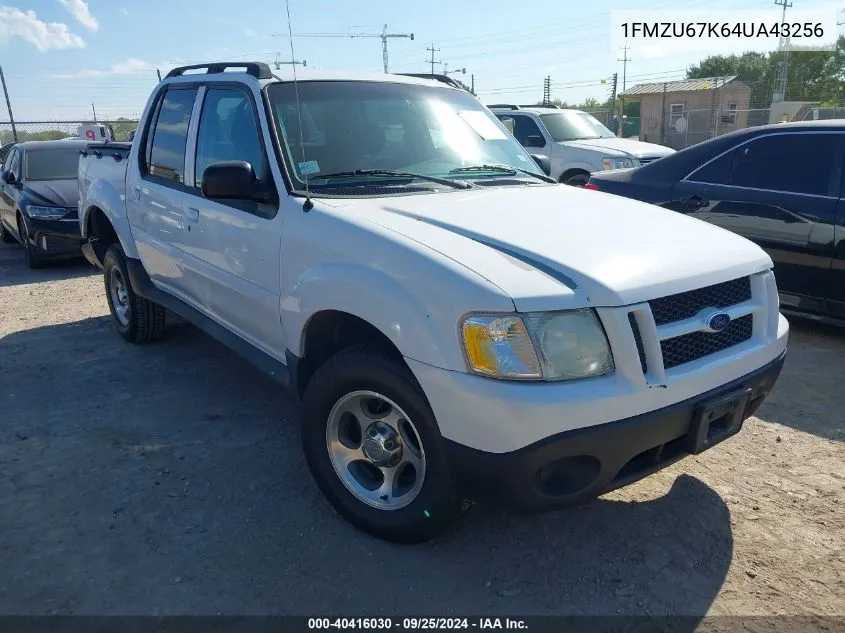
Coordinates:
[534,624]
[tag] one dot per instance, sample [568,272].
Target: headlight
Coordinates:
[616,163]
[46,213]
[537,345]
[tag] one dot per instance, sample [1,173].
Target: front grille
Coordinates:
[689,347]
[687,304]
[639,340]
[645,160]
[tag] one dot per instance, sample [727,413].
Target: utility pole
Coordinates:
[158,72]
[625,59]
[784,43]
[432,60]
[547,90]
[94,110]
[294,62]
[9,106]
[613,103]
[472,85]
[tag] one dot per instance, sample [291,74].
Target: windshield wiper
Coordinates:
[390,172]
[509,169]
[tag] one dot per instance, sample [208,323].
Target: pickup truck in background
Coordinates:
[576,143]
[457,325]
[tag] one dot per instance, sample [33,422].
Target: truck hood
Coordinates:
[554,246]
[626,146]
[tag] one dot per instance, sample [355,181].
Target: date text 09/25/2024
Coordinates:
[412,624]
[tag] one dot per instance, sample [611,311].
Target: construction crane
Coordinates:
[383,36]
[294,62]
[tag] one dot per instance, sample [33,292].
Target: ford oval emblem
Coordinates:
[718,321]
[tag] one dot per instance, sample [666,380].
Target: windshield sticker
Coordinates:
[522,158]
[309,167]
[482,125]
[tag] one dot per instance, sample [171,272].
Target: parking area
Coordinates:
[168,479]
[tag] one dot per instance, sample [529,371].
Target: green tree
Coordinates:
[812,75]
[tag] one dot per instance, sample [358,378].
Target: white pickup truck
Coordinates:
[575,142]
[457,325]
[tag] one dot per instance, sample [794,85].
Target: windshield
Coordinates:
[356,125]
[571,126]
[51,164]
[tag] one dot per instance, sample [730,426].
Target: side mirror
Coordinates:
[229,180]
[534,141]
[543,163]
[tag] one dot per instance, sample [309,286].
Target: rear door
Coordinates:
[154,203]
[781,191]
[837,269]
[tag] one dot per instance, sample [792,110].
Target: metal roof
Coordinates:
[687,85]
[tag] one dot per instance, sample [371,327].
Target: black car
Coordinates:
[38,199]
[781,186]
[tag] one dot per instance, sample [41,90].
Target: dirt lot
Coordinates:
[168,479]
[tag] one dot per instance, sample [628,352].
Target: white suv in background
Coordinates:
[576,143]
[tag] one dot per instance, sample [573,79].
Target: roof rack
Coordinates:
[441,78]
[259,70]
[503,106]
[540,105]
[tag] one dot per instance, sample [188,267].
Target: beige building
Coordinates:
[681,113]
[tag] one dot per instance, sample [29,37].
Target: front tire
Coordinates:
[33,259]
[138,320]
[374,448]
[576,180]
[5,236]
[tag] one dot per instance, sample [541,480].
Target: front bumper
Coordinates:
[55,238]
[579,465]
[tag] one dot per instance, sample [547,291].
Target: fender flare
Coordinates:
[376,298]
[102,195]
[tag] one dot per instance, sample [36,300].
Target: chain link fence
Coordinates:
[55,130]
[679,128]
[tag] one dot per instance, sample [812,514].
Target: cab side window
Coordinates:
[169,138]
[786,162]
[228,130]
[13,164]
[527,132]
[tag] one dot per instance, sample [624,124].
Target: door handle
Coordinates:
[136,192]
[191,214]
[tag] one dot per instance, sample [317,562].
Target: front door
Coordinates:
[780,191]
[155,193]
[9,193]
[231,262]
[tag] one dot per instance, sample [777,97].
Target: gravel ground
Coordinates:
[168,479]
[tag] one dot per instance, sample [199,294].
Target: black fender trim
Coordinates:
[143,286]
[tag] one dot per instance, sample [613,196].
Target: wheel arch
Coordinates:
[361,300]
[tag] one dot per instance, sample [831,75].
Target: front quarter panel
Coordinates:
[409,292]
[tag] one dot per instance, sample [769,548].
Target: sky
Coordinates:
[61,56]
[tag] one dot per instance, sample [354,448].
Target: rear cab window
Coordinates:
[168,137]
